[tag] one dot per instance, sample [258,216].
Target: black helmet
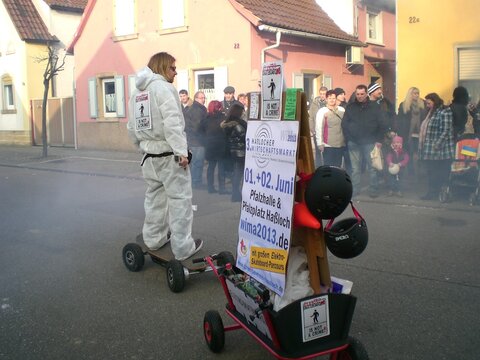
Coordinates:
[328,192]
[348,237]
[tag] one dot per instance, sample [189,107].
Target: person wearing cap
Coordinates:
[363,127]
[375,93]
[396,160]
[228,98]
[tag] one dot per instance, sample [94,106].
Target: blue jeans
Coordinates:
[356,153]
[196,167]
[394,182]
[333,156]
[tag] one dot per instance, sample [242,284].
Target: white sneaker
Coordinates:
[198,246]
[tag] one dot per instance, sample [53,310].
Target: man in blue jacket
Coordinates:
[363,127]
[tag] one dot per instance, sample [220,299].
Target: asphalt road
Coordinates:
[65,293]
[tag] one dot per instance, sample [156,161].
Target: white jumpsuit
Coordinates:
[168,198]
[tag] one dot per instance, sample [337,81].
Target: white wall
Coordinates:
[12,55]
[341,12]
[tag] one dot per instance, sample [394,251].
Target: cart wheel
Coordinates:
[133,257]
[354,351]
[224,258]
[213,331]
[175,276]
[444,195]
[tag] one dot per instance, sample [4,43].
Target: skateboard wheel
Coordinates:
[175,276]
[214,331]
[133,257]
[224,258]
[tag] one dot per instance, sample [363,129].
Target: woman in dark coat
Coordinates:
[236,129]
[215,142]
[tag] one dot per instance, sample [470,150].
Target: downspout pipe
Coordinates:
[278,36]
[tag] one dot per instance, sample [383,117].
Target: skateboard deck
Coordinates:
[164,255]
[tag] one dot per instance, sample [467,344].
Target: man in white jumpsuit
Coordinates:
[158,131]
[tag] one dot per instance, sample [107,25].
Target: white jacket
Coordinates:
[168,125]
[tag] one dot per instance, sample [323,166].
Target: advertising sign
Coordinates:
[267,201]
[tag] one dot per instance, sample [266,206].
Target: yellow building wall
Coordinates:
[428,31]
[35,70]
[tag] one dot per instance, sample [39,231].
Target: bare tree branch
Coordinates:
[53,67]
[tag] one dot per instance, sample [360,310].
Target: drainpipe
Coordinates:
[277,43]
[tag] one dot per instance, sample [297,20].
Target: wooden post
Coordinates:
[312,240]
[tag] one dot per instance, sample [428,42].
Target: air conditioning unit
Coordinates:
[354,55]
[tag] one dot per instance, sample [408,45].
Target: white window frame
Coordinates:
[97,98]
[467,69]
[8,94]
[106,112]
[172,14]
[378,23]
[125,17]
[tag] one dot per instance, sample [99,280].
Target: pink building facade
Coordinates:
[215,46]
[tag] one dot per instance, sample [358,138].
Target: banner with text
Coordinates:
[267,201]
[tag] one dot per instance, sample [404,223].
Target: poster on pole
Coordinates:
[267,201]
[272,87]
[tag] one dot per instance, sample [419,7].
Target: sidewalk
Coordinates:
[69,160]
[127,165]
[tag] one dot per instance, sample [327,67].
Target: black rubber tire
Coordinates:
[224,258]
[175,276]
[354,351]
[214,331]
[133,257]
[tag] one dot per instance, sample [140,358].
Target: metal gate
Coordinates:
[60,123]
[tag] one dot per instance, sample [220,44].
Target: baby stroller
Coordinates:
[464,172]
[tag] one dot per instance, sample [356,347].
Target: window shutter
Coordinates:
[120,95]
[131,85]
[327,81]
[469,64]
[92,98]
[221,81]
[173,14]
[182,80]
[124,17]
[298,80]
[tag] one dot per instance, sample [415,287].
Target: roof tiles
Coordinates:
[300,15]
[67,5]
[27,21]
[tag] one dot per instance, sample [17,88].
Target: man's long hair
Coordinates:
[160,62]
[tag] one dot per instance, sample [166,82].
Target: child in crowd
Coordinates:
[396,160]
